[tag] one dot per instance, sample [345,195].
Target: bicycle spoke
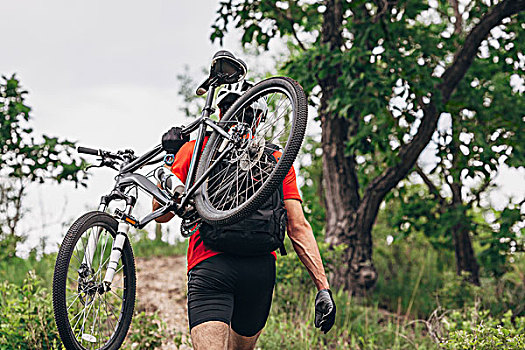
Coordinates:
[277,117]
[78,295]
[225,196]
[211,185]
[269,126]
[280,133]
[223,201]
[211,180]
[237,185]
[108,319]
[103,250]
[268,116]
[216,192]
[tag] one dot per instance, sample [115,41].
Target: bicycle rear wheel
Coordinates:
[270,115]
[88,317]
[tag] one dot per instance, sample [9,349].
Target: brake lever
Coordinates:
[92,166]
[109,163]
[103,163]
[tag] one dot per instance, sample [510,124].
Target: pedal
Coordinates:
[119,214]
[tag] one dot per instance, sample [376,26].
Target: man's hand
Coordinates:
[173,140]
[324,310]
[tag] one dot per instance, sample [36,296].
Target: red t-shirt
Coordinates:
[197,251]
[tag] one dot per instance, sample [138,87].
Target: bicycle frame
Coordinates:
[127,178]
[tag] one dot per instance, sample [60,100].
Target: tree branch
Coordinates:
[408,154]
[431,187]
[477,193]
[458,25]
[464,57]
[294,32]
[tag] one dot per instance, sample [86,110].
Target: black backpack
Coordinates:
[260,233]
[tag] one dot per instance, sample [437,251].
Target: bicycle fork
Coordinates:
[116,250]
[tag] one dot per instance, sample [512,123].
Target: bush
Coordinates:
[474,329]
[291,321]
[356,327]
[15,269]
[26,316]
[146,332]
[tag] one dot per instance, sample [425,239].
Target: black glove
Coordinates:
[173,140]
[324,310]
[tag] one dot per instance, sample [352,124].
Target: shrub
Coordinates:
[146,332]
[26,316]
[475,329]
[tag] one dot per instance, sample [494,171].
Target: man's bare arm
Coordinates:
[304,244]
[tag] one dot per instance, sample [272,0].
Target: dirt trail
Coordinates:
[161,287]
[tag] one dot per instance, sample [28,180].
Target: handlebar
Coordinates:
[104,154]
[87,150]
[127,156]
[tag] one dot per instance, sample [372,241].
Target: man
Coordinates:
[229,296]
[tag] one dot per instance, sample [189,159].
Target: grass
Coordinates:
[357,327]
[418,302]
[144,247]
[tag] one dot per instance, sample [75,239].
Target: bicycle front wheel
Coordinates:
[87,316]
[269,116]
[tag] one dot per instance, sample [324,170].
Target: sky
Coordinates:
[103,74]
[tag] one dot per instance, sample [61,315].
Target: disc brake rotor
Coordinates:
[252,153]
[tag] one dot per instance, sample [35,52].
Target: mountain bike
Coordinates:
[94,278]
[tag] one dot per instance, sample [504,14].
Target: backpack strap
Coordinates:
[271,148]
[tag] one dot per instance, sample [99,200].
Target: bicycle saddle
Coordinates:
[225,69]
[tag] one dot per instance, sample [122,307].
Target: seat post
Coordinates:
[208,109]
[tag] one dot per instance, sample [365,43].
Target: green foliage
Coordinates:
[480,136]
[475,329]
[279,19]
[312,190]
[26,317]
[417,275]
[145,247]
[14,269]
[22,156]
[410,272]
[413,210]
[418,302]
[290,324]
[501,241]
[146,332]
[24,159]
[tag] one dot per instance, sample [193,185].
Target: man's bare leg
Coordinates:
[239,342]
[211,335]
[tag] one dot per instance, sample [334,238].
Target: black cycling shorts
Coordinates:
[232,289]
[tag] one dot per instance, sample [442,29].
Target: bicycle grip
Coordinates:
[87,150]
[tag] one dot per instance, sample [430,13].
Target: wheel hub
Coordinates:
[252,153]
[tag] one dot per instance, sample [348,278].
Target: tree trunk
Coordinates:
[465,258]
[349,218]
[347,221]
[158,231]
[342,202]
